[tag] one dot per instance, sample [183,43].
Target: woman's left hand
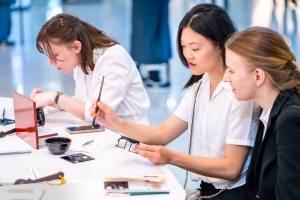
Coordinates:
[157,154]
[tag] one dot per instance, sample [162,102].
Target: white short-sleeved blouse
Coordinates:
[123,88]
[218,121]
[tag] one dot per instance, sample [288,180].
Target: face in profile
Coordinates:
[242,79]
[65,57]
[201,54]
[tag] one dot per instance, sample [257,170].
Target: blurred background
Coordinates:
[23,68]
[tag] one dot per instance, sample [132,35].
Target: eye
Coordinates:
[195,49]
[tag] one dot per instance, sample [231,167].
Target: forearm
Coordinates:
[71,105]
[143,133]
[212,167]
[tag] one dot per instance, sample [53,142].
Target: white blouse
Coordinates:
[123,88]
[218,121]
[264,118]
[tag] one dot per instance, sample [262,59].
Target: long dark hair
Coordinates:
[210,21]
[63,29]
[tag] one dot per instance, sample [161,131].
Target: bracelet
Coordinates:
[56,98]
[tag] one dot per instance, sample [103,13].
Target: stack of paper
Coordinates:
[13,145]
[136,185]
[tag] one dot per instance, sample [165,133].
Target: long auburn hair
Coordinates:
[63,29]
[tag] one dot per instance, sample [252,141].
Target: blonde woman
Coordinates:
[261,66]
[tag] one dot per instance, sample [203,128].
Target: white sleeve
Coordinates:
[183,109]
[243,123]
[114,66]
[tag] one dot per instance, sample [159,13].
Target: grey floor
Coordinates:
[22,67]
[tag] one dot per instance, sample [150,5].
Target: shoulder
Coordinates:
[289,114]
[116,49]
[291,107]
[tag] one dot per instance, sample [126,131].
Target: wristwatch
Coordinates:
[56,98]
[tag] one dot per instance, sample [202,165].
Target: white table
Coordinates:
[84,180]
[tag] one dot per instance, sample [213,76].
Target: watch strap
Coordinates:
[56,98]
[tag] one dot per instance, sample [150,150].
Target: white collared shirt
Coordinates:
[218,121]
[264,118]
[123,88]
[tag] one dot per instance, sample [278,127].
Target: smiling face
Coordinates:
[201,54]
[65,57]
[242,79]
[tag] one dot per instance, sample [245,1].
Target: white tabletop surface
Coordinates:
[84,180]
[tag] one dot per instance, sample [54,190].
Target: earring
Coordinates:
[221,65]
[257,84]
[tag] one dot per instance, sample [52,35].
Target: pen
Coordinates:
[42,195]
[87,143]
[3,115]
[14,152]
[96,109]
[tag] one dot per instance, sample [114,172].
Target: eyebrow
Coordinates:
[191,43]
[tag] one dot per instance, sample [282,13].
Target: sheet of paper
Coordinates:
[13,143]
[91,148]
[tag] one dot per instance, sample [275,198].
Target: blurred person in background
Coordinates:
[150,40]
[5,21]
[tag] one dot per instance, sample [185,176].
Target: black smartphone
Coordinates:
[84,129]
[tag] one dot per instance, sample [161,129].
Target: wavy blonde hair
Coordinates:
[266,49]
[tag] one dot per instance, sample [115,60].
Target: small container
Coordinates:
[58,145]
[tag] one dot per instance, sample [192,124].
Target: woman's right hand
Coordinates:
[105,115]
[35,91]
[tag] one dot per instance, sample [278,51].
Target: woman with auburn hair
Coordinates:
[261,66]
[73,45]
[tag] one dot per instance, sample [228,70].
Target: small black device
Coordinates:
[84,129]
[40,116]
[77,158]
[127,139]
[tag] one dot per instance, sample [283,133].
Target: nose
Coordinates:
[226,77]
[51,61]
[187,54]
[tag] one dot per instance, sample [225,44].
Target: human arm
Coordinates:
[227,167]
[288,154]
[159,135]
[239,136]
[65,102]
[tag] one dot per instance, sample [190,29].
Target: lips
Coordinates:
[191,65]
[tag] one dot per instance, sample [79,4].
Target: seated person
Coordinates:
[261,66]
[75,45]
[222,130]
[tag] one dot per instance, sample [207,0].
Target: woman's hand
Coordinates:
[105,115]
[159,155]
[42,98]
[35,91]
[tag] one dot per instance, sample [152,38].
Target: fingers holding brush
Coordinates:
[105,114]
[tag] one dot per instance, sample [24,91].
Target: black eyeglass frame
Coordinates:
[132,141]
